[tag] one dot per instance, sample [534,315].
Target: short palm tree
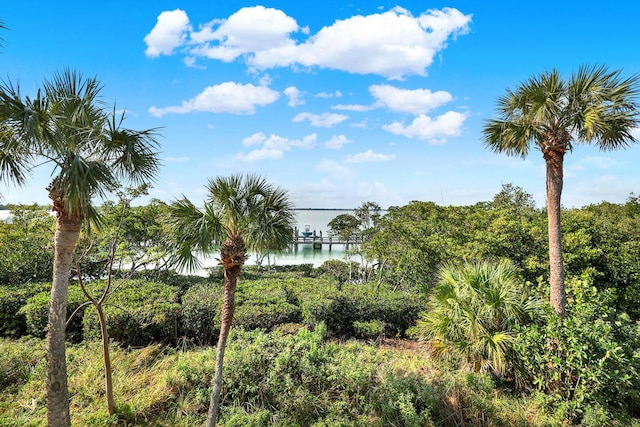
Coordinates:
[240,213]
[66,126]
[473,311]
[595,106]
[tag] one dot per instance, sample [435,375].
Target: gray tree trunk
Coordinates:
[228,308]
[66,236]
[558,298]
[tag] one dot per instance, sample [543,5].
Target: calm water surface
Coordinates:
[305,254]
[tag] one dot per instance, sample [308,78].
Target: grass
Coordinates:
[297,378]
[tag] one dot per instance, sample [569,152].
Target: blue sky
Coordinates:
[337,102]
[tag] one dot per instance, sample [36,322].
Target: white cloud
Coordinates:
[295,96]
[255,139]
[370,156]
[635,132]
[182,159]
[336,142]
[273,147]
[321,120]
[228,97]
[393,44]
[353,107]
[434,130]
[417,101]
[169,33]
[335,169]
[336,94]
[261,154]
[249,30]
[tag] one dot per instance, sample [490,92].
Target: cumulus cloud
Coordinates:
[249,30]
[393,44]
[336,142]
[370,156]
[295,96]
[169,33]
[274,146]
[255,139]
[416,101]
[228,97]
[325,120]
[433,130]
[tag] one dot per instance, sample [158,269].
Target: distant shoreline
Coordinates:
[320,209]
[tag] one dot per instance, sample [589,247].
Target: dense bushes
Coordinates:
[13,322]
[36,312]
[587,362]
[138,313]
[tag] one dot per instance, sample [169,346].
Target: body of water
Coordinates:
[317,219]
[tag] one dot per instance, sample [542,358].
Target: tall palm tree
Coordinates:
[594,106]
[240,213]
[67,127]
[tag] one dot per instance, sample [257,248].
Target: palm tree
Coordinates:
[595,106]
[67,127]
[240,213]
[473,312]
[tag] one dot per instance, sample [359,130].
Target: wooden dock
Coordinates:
[317,240]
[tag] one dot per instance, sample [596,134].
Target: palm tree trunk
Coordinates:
[231,274]
[558,298]
[66,236]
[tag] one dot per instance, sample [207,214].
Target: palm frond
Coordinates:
[132,154]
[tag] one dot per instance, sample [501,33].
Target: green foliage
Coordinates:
[200,315]
[18,362]
[588,360]
[606,237]
[473,312]
[36,310]
[339,309]
[274,379]
[341,271]
[26,245]
[264,304]
[140,236]
[13,322]
[370,330]
[138,313]
[344,227]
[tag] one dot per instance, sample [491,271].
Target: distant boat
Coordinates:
[307,231]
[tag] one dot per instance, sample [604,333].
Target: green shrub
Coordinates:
[588,360]
[13,323]
[339,270]
[138,313]
[36,313]
[265,304]
[369,330]
[200,314]
[339,309]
